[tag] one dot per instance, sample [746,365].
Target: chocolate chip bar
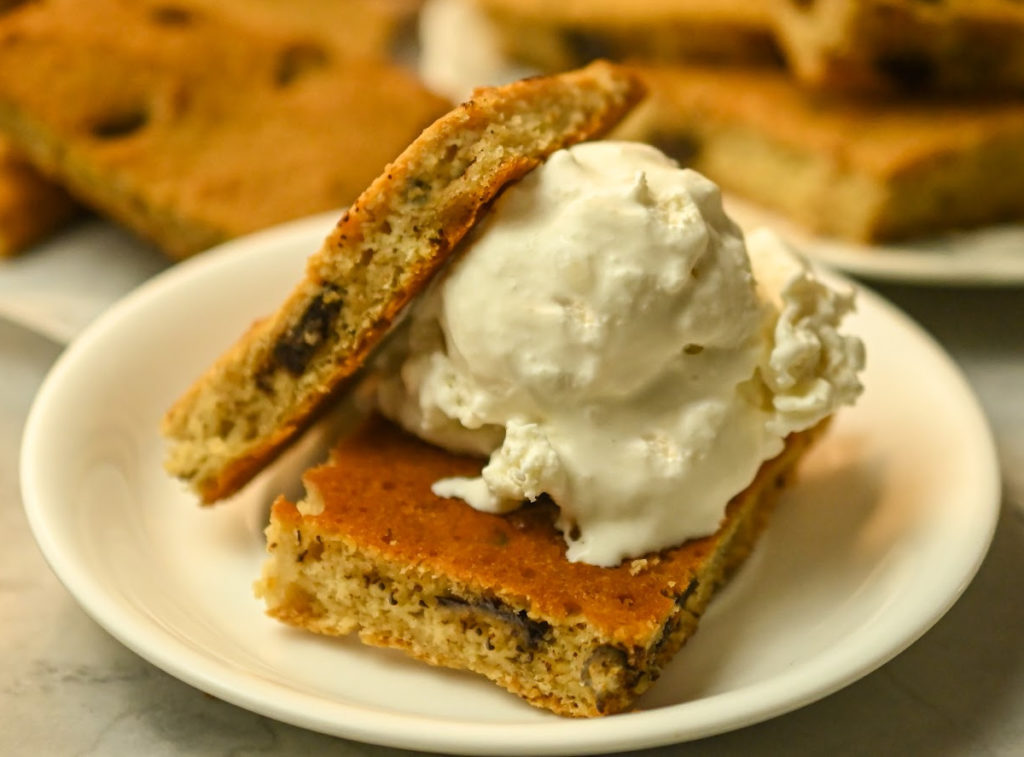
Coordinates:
[372,551]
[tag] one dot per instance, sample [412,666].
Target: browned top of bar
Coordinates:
[376,494]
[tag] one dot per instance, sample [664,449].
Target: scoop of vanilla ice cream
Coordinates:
[603,339]
[810,368]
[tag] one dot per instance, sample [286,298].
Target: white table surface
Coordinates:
[68,688]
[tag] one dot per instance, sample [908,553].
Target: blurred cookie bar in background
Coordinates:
[358,28]
[903,46]
[556,36]
[190,124]
[890,120]
[857,169]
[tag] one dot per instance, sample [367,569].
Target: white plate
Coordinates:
[60,285]
[987,256]
[885,528]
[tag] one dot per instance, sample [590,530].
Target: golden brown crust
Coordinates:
[377,493]
[380,520]
[191,125]
[384,249]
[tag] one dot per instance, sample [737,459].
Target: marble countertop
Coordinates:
[68,688]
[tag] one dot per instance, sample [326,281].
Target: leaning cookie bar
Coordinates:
[371,551]
[254,400]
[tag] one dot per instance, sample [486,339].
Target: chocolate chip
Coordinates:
[908,70]
[672,624]
[446,600]
[603,659]
[608,673]
[586,47]
[532,631]
[683,598]
[296,348]
[417,192]
[668,628]
[10,5]
[120,123]
[499,538]
[297,61]
[171,15]
[678,146]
